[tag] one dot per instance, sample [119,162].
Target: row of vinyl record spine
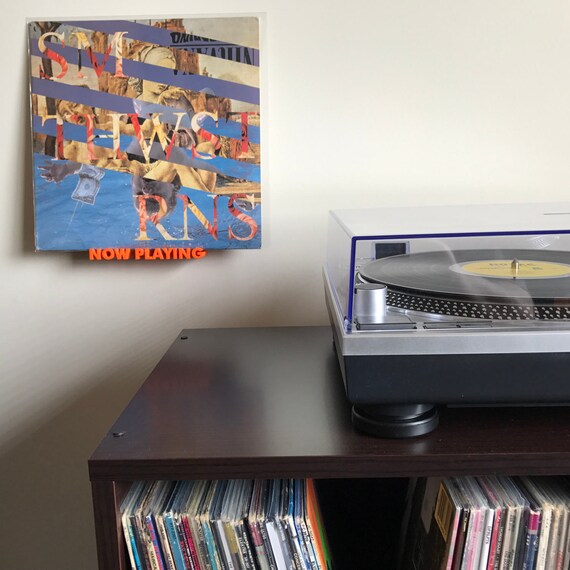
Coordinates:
[225,525]
[490,523]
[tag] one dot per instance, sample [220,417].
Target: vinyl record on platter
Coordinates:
[511,276]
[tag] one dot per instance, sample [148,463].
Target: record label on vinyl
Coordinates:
[513,268]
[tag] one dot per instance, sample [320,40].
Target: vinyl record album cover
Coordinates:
[146,133]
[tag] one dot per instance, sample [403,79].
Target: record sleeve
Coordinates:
[524,515]
[281,554]
[455,510]
[216,527]
[246,550]
[137,526]
[435,538]
[291,528]
[217,524]
[487,514]
[317,527]
[155,547]
[127,510]
[145,533]
[509,537]
[560,526]
[186,518]
[497,530]
[146,547]
[204,518]
[284,531]
[531,543]
[257,525]
[515,530]
[194,531]
[300,523]
[228,519]
[545,532]
[463,527]
[159,509]
[174,525]
[473,535]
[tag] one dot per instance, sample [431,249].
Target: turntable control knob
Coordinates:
[370,301]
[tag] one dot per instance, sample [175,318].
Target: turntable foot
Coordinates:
[396,421]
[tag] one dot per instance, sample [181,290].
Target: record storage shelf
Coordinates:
[269,403]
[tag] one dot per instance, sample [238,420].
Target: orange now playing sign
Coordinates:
[159,253]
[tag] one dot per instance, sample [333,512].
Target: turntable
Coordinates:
[465,305]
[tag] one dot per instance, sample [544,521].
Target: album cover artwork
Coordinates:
[146,133]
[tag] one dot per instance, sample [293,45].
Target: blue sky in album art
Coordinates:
[112,221]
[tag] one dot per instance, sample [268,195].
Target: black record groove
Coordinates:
[443,283]
[473,310]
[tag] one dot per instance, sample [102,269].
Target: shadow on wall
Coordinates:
[45,483]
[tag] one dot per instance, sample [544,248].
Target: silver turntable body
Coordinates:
[455,305]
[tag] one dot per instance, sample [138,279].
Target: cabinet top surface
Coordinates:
[270,402]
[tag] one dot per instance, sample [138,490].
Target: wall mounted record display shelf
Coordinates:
[269,403]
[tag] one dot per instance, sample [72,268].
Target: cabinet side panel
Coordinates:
[109,533]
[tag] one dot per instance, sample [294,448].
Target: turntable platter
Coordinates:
[490,283]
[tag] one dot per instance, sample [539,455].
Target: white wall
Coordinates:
[368,102]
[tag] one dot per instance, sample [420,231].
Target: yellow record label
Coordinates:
[514,268]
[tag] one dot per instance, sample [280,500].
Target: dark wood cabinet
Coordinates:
[269,402]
